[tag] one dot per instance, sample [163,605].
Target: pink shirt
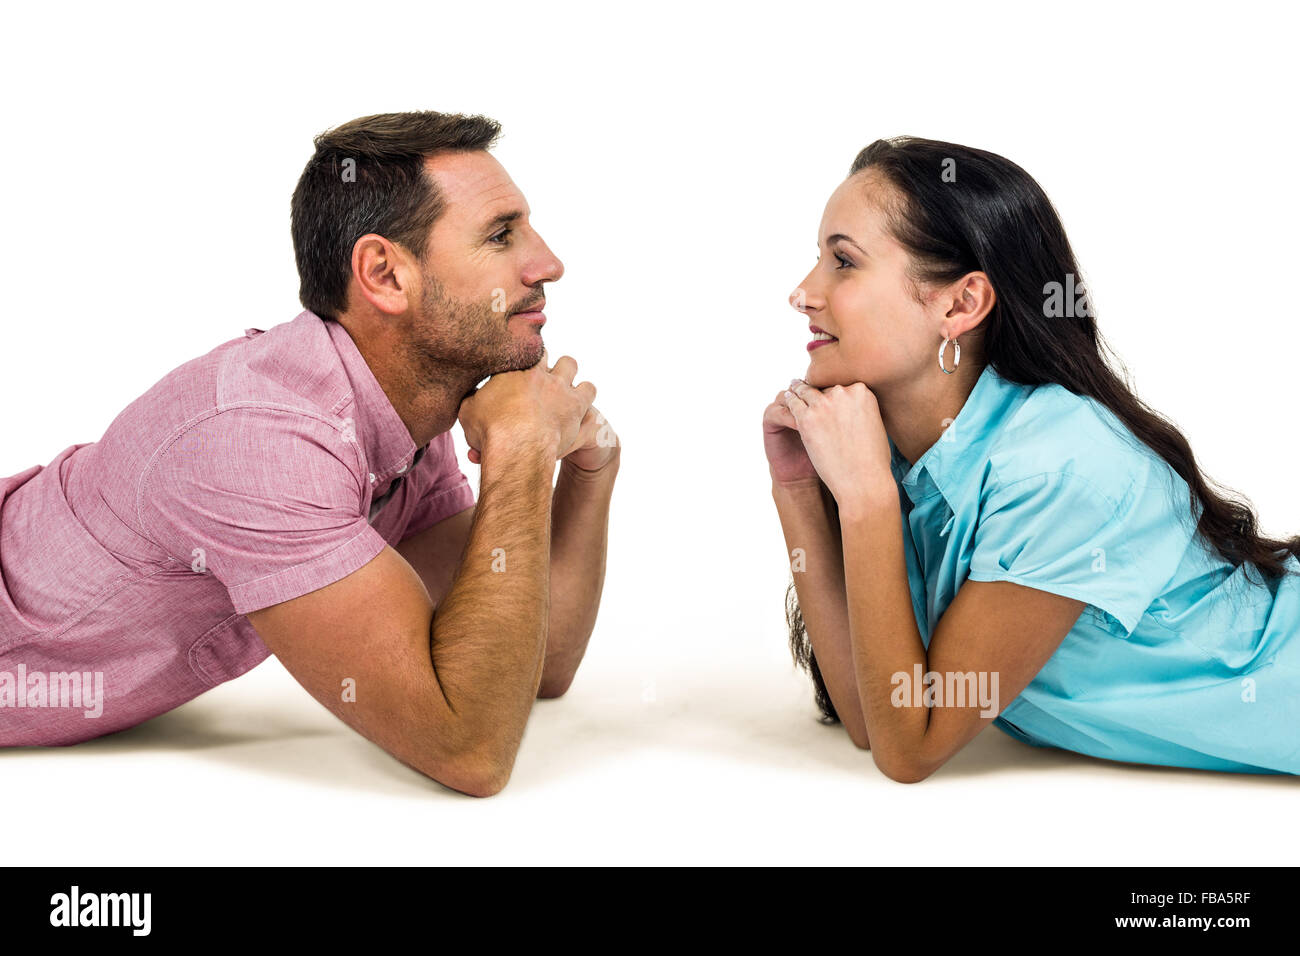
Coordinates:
[268,468]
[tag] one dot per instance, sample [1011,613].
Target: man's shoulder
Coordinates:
[291,366]
[237,401]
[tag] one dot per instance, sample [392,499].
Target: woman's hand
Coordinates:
[787,459]
[841,431]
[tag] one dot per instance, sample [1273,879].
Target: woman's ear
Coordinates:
[970,300]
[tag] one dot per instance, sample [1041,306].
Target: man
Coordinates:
[295,491]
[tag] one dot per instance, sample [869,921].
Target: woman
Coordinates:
[1012,537]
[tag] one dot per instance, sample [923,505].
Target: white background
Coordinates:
[677,159]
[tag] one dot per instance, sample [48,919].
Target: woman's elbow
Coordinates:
[902,769]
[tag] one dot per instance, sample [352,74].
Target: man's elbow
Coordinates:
[484,785]
[476,773]
[472,780]
[556,679]
[552,687]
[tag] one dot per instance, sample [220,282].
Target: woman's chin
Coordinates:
[819,377]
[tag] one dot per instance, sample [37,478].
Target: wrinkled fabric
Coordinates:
[1180,659]
[264,470]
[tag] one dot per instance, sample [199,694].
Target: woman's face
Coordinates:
[859,292]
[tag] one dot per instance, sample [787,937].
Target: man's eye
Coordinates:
[500,236]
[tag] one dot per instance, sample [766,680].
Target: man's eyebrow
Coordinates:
[502,220]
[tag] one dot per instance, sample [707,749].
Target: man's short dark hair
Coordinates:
[368,176]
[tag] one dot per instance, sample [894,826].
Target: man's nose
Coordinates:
[546,267]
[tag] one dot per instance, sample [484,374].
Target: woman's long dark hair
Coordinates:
[963,210]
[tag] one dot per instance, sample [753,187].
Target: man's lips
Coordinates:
[533,315]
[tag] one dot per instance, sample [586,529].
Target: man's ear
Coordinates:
[971,298]
[383,274]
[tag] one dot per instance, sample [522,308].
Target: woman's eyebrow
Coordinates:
[848,239]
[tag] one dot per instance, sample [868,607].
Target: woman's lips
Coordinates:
[822,337]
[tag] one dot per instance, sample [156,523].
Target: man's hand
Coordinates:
[596,444]
[539,404]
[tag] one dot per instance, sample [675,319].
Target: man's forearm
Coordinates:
[579,536]
[488,634]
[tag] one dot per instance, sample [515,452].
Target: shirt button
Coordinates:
[372,479]
[402,470]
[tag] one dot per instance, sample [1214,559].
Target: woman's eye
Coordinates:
[842,261]
[500,235]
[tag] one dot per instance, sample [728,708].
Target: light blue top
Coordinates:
[1180,659]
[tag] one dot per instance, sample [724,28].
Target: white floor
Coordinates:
[722,764]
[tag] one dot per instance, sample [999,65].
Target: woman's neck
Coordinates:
[915,413]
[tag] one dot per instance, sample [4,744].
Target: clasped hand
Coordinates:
[834,434]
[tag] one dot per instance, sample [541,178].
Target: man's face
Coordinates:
[483,272]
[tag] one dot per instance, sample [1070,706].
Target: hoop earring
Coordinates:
[956,356]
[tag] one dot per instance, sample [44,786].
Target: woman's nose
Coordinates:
[805,300]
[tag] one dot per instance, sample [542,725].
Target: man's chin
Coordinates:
[533,353]
[521,356]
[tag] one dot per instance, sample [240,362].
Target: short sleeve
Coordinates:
[1058,532]
[267,500]
[445,489]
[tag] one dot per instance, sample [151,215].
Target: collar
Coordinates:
[389,448]
[949,465]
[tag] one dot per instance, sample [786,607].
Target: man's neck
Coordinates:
[428,404]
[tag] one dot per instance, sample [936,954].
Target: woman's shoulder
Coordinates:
[1074,503]
[1059,436]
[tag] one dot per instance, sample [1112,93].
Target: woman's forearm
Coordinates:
[813,547]
[882,627]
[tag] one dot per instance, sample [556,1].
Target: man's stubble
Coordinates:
[454,338]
